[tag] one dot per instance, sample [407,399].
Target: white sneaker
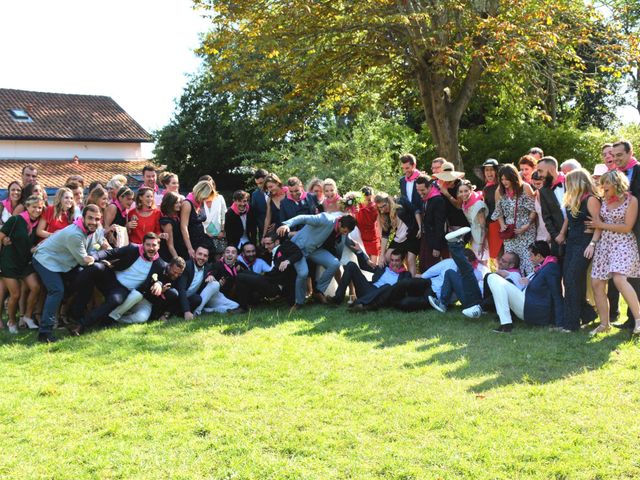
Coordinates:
[456,234]
[472,312]
[437,304]
[13,328]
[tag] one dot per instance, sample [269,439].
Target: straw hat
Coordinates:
[448,173]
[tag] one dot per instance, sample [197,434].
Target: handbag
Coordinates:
[510,232]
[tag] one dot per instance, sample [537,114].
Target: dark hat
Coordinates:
[490,162]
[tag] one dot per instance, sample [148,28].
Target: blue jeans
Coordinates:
[320,257]
[463,282]
[54,285]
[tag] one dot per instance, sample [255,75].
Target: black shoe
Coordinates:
[628,325]
[506,328]
[47,338]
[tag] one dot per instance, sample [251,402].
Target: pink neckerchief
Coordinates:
[398,271]
[547,260]
[302,197]
[234,207]
[475,197]
[79,222]
[141,252]
[123,211]
[30,223]
[193,200]
[415,174]
[559,180]
[632,163]
[233,271]
[513,270]
[613,199]
[509,192]
[489,184]
[332,201]
[7,205]
[433,192]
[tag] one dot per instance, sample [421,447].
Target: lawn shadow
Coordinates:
[470,350]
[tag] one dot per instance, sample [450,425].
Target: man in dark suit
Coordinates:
[115,273]
[191,284]
[371,294]
[551,197]
[408,181]
[284,254]
[240,224]
[541,302]
[432,209]
[259,198]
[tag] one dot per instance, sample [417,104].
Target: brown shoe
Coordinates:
[358,307]
[320,298]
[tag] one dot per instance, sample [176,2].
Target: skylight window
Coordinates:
[20,115]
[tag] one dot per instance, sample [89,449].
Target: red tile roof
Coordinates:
[57,116]
[54,173]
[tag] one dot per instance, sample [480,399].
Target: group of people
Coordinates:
[537,241]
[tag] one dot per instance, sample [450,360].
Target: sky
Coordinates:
[138,52]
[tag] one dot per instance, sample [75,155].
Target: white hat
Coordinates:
[600,169]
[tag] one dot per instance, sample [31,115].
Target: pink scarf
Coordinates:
[7,205]
[547,260]
[79,222]
[302,197]
[632,163]
[30,223]
[123,211]
[489,184]
[193,200]
[475,197]
[613,199]
[141,252]
[510,192]
[400,270]
[559,180]
[233,271]
[332,201]
[413,176]
[433,192]
[234,207]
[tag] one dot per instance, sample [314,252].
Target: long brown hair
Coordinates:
[510,173]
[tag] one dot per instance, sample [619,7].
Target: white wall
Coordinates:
[40,150]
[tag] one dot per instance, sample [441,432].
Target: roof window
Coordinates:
[20,115]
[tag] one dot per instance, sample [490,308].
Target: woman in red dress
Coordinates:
[145,217]
[367,217]
[57,216]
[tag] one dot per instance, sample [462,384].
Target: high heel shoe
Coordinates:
[27,322]
[636,330]
[600,329]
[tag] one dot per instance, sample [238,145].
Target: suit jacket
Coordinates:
[416,201]
[291,252]
[259,206]
[290,209]
[543,302]
[184,282]
[219,271]
[434,221]
[551,212]
[234,229]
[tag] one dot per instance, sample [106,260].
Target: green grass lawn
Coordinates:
[323,394]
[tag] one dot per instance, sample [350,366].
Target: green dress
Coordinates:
[15,259]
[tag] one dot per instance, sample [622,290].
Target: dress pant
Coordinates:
[114,295]
[410,294]
[54,284]
[352,273]
[321,257]
[463,282]
[506,297]
[574,278]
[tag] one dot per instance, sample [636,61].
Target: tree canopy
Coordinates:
[387,52]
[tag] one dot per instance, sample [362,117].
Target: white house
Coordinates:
[62,134]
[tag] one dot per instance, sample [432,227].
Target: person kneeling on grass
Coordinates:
[541,302]
[465,282]
[371,294]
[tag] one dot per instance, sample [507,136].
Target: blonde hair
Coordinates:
[579,183]
[57,204]
[203,191]
[330,181]
[33,199]
[390,220]
[116,182]
[616,179]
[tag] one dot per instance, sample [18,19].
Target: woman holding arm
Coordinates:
[18,236]
[277,193]
[192,218]
[117,212]
[614,248]
[515,210]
